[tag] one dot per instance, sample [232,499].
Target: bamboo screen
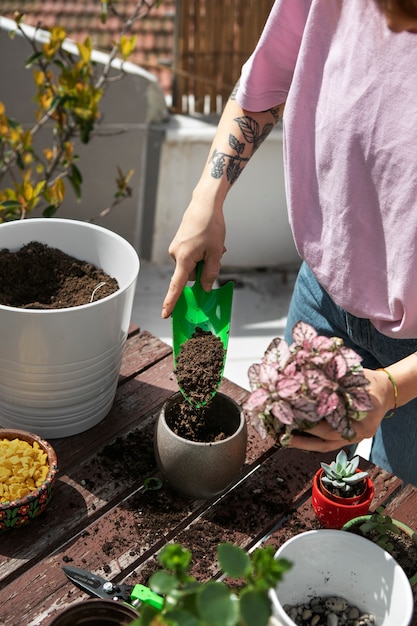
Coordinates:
[213,40]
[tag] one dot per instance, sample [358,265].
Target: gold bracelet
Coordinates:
[394,384]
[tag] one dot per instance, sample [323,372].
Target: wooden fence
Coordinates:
[213,40]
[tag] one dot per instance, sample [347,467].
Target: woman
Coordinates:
[342,74]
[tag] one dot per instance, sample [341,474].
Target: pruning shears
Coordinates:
[95,585]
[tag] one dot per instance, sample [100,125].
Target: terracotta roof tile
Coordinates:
[155,33]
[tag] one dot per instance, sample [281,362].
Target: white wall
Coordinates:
[258,233]
[129,106]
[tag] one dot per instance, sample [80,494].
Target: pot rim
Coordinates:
[76,223]
[239,429]
[367,495]
[401,525]
[349,500]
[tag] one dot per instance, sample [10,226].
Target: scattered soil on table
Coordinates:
[40,277]
[404,550]
[199,365]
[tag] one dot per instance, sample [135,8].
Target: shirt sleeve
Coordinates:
[267,74]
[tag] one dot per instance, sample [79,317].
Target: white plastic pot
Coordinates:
[59,368]
[328,563]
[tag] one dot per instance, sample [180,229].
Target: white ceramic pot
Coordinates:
[327,563]
[198,469]
[59,368]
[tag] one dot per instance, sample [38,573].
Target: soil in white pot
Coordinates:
[41,277]
[198,371]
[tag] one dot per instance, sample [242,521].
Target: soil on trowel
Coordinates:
[41,277]
[199,365]
[198,371]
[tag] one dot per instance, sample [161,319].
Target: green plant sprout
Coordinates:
[380,526]
[152,484]
[188,602]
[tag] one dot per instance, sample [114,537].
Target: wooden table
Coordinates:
[101,518]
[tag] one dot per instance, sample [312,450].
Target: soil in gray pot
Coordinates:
[41,277]
[198,371]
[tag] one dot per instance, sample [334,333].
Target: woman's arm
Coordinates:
[202,231]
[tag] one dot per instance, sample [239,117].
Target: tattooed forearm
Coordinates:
[233,163]
[235,88]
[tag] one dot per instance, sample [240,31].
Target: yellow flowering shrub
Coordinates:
[23,468]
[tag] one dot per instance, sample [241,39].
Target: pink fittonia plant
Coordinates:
[315,378]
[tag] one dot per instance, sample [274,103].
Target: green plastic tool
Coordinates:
[211,311]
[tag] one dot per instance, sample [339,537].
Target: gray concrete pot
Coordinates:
[197,469]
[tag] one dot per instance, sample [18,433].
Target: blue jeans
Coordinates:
[394,446]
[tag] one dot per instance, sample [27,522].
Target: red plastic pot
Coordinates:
[333,514]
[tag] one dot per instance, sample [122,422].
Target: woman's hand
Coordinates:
[323,438]
[200,237]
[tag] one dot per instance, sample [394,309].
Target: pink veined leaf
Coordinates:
[336,368]
[302,357]
[327,403]
[306,410]
[338,418]
[290,369]
[360,398]
[253,375]
[257,400]
[303,332]
[358,379]
[320,359]
[268,375]
[287,386]
[322,343]
[351,357]
[277,352]
[317,381]
[283,412]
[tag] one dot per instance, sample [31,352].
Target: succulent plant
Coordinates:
[342,473]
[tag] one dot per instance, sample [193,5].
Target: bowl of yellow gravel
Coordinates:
[28,467]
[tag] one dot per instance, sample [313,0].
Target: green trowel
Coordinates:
[211,311]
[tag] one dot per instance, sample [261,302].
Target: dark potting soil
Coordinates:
[198,371]
[199,365]
[40,277]
[205,424]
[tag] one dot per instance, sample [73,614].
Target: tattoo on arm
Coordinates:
[234,91]
[232,164]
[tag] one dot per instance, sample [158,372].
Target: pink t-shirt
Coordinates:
[350,149]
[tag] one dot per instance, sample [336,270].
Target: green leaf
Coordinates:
[234,561]
[217,606]
[10,204]
[76,179]
[182,618]
[255,607]
[163,582]
[33,59]
[49,211]
[175,558]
